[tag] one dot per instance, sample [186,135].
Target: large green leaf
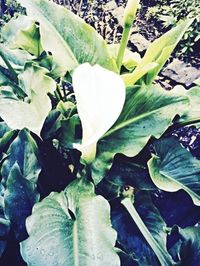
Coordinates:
[20,170]
[158,53]
[143,116]
[173,168]
[19,197]
[58,238]
[67,37]
[32,111]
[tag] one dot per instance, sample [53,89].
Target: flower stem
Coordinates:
[162,255]
[123,44]
[129,16]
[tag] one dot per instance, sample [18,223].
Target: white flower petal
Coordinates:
[100,96]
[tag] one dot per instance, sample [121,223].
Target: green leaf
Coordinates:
[125,173]
[139,72]
[58,238]
[24,151]
[6,78]
[143,116]
[22,33]
[158,53]
[130,59]
[189,245]
[51,125]
[68,37]
[193,113]
[4,223]
[4,231]
[69,131]
[20,196]
[16,57]
[172,168]
[6,135]
[31,114]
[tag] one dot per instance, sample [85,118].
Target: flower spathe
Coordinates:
[100,96]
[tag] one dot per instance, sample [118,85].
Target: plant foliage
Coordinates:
[87,122]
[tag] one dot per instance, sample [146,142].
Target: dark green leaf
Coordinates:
[6,135]
[24,151]
[188,247]
[4,223]
[172,168]
[69,134]
[20,196]
[125,173]
[51,124]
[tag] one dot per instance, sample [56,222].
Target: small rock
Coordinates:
[111,5]
[139,41]
[179,72]
[119,14]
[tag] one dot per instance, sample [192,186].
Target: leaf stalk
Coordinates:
[161,254]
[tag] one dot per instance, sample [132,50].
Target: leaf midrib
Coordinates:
[75,244]
[136,118]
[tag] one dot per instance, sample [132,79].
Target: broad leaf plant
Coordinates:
[100,110]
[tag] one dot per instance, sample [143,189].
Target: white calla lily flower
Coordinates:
[100,96]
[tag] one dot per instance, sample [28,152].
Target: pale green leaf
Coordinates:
[22,33]
[139,72]
[158,52]
[68,37]
[31,114]
[16,57]
[194,112]
[172,168]
[57,238]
